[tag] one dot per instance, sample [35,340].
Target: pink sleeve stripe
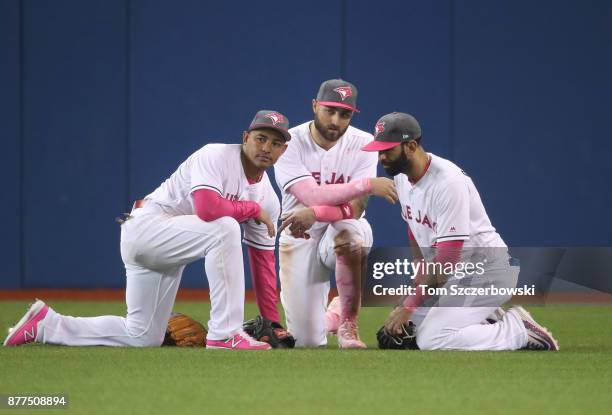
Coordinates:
[446,252]
[410,234]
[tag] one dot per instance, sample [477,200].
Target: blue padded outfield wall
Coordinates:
[100,100]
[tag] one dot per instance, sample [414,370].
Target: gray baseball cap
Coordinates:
[273,120]
[338,93]
[393,129]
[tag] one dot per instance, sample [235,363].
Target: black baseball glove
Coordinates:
[268,331]
[404,341]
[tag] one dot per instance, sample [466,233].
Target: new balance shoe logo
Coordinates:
[234,342]
[31,335]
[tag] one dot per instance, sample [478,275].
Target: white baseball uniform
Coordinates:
[444,205]
[306,265]
[163,237]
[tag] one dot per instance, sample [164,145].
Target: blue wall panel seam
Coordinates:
[22,255]
[343,39]
[452,69]
[128,101]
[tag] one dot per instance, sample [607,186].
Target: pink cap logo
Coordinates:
[275,117]
[379,128]
[344,92]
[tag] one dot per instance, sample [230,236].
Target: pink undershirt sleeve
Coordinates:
[209,206]
[310,193]
[446,252]
[263,274]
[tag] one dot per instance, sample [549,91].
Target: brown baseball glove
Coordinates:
[183,331]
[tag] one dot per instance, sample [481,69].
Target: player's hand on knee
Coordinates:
[299,222]
[394,322]
[265,219]
[385,188]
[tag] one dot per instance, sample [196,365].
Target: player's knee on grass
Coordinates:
[309,333]
[311,338]
[433,338]
[146,337]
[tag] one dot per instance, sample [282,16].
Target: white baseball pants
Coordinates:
[460,328]
[155,248]
[305,271]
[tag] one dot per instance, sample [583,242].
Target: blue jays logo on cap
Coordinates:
[379,128]
[276,117]
[344,92]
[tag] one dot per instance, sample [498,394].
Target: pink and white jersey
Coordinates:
[218,167]
[444,205]
[340,164]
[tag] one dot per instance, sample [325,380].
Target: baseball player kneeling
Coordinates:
[448,224]
[325,180]
[196,213]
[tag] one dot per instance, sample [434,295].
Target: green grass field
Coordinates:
[167,380]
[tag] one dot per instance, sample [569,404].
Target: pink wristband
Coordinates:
[333,213]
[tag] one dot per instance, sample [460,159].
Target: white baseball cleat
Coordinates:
[26,329]
[348,336]
[539,338]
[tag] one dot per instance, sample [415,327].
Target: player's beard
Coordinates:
[397,166]
[329,135]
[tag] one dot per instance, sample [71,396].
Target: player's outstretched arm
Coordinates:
[310,193]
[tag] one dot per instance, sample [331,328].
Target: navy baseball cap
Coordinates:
[273,120]
[338,93]
[393,129]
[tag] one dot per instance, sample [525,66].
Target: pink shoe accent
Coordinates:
[538,336]
[239,341]
[332,316]
[348,336]
[26,330]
